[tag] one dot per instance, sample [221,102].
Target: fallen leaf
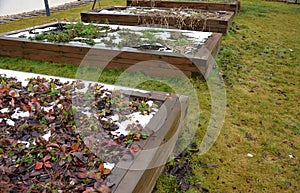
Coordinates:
[101,167]
[48,164]
[50,118]
[106,171]
[26,107]
[38,165]
[75,147]
[82,175]
[82,169]
[53,145]
[87,191]
[91,175]
[46,158]
[12,93]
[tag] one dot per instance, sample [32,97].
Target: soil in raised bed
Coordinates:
[192,19]
[44,129]
[155,39]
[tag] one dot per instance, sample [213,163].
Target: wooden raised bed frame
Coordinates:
[166,123]
[122,59]
[219,25]
[126,175]
[232,6]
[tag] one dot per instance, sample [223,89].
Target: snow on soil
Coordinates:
[135,117]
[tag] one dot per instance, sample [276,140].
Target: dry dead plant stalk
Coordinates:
[192,20]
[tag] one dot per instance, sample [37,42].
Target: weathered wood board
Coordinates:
[212,21]
[140,174]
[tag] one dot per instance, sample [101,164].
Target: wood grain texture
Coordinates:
[141,173]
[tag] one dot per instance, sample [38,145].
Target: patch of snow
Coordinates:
[115,117]
[26,34]
[87,113]
[40,30]
[25,142]
[60,106]
[142,119]
[47,135]
[197,36]
[122,128]
[163,35]
[114,12]
[291,156]
[10,122]
[104,119]
[155,109]
[5,110]
[105,94]
[150,103]
[21,114]
[109,166]
[49,108]
[132,118]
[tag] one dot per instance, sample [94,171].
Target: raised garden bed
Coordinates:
[179,18]
[233,6]
[50,140]
[116,47]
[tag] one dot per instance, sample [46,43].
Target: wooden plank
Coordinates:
[143,171]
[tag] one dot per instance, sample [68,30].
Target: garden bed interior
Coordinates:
[179,18]
[118,47]
[137,169]
[233,6]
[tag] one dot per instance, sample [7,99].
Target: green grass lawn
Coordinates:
[260,63]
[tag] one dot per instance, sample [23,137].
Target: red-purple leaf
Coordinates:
[48,164]
[46,158]
[54,145]
[82,175]
[101,167]
[38,165]
[75,147]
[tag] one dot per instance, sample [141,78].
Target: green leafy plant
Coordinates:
[144,108]
[79,31]
[28,159]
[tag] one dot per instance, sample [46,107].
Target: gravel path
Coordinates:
[9,18]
